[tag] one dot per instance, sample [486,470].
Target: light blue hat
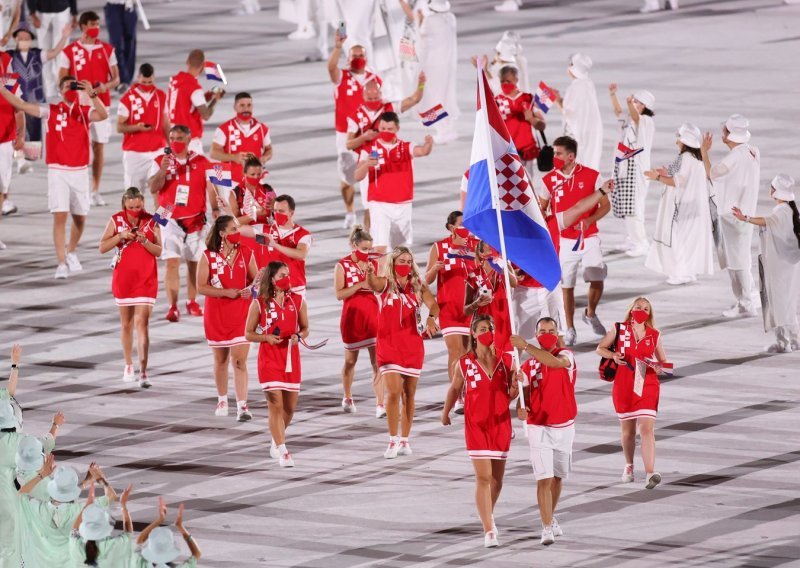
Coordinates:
[30,454]
[64,485]
[160,547]
[96,523]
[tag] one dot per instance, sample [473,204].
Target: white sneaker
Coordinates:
[2,245]
[547,536]
[8,207]
[25,167]
[680,280]
[73,263]
[306,32]
[594,321]
[507,6]
[637,252]
[749,311]
[286,460]
[733,312]
[144,382]
[273,450]
[490,540]
[556,528]
[459,407]
[391,450]
[380,411]
[97,199]
[404,449]
[243,413]
[571,337]
[348,406]
[653,479]
[61,272]
[349,221]
[627,474]
[127,374]
[222,408]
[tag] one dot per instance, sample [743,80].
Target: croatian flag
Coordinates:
[11,82]
[220,175]
[214,73]
[501,207]
[544,97]
[625,153]
[163,215]
[434,115]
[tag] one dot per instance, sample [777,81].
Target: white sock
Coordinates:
[393,439]
[282,449]
[402,439]
[240,404]
[223,398]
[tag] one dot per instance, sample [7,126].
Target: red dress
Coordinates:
[451,289]
[134,281]
[245,201]
[359,321]
[399,344]
[493,281]
[627,403]
[277,369]
[224,319]
[487,421]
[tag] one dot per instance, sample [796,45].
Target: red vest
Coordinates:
[365,119]
[192,174]
[264,196]
[236,141]
[567,191]
[181,109]
[67,140]
[146,112]
[348,96]
[297,267]
[513,112]
[93,65]
[393,180]
[8,124]
[552,393]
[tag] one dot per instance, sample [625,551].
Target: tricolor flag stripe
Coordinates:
[433,115]
[544,97]
[625,153]
[220,175]
[11,82]
[214,72]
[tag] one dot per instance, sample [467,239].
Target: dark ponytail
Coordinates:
[214,239]
[451,219]
[92,552]
[795,220]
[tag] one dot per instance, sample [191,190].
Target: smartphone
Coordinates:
[147,125]
[75,86]
[134,230]
[342,30]
[262,239]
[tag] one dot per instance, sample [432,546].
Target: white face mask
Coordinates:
[24,45]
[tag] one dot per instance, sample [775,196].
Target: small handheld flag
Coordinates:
[433,115]
[163,214]
[625,153]
[544,97]
[11,82]
[214,72]
[220,174]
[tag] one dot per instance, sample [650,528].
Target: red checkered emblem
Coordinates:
[472,375]
[503,107]
[512,182]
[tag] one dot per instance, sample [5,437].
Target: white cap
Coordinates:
[579,65]
[439,5]
[506,50]
[96,523]
[782,187]
[737,128]
[63,487]
[30,454]
[646,98]
[689,135]
[160,546]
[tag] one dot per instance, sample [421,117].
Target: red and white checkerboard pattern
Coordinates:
[503,107]
[532,371]
[78,58]
[625,338]
[234,138]
[270,317]
[352,86]
[137,109]
[472,374]
[444,250]
[352,273]
[513,185]
[61,121]
[216,263]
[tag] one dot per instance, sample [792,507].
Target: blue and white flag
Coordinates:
[625,153]
[220,174]
[434,115]
[544,97]
[500,198]
[214,72]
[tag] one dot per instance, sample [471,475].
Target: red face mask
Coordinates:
[145,88]
[387,136]
[283,283]
[135,213]
[402,270]
[244,116]
[639,316]
[71,97]
[374,105]
[486,338]
[358,63]
[361,255]
[177,147]
[281,219]
[461,232]
[508,88]
[93,33]
[234,238]
[558,163]
[547,341]
[253,180]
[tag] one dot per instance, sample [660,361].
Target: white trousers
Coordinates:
[48,35]
[744,288]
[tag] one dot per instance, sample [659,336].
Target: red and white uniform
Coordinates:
[279,365]
[134,281]
[479,279]
[399,345]
[224,319]
[364,119]
[245,199]
[236,137]
[451,288]
[348,95]
[185,96]
[512,109]
[627,403]
[139,149]
[290,238]
[359,321]
[8,131]
[487,421]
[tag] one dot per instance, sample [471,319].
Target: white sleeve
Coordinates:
[363,155]
[411,147]
[199,98]
[219,137]
[122,110]
[306,240]
[722,169]
[541,190]
[351,125]
[44,112]
[526,369]
[571,356]
[63,60]
[154,167]
[267,138]
[112,59]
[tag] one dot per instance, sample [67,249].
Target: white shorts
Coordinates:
[591,258]
[345,160]
[6,165]
[101,131]
[196,146]
[530,304]
[551,450]
[390,224]
[136,168]
[68,191]
[178,244]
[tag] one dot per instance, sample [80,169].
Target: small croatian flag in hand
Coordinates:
[214,73]
[163,214]
[434,115]
[625,153]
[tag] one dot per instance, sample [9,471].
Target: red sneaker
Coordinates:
[194,308]
[173,314]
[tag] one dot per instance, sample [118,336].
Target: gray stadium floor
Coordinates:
[727,440]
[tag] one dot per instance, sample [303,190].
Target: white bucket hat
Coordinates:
[30,454]
[160,547]
[7,417]
[579,65]
[439,5]
[96,523]
[646,98]
[63,487]
[782,187]
[737,128]
[689,135]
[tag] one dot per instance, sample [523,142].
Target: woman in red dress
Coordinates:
[224,274]
[638,341]
[359,320]
[136,241]
[399,347]
[488,380]
[278,321]
[450,275]
[251,203]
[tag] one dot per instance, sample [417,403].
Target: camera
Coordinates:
[75,86]
[167,151]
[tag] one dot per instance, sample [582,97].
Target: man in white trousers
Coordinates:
[49,18]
